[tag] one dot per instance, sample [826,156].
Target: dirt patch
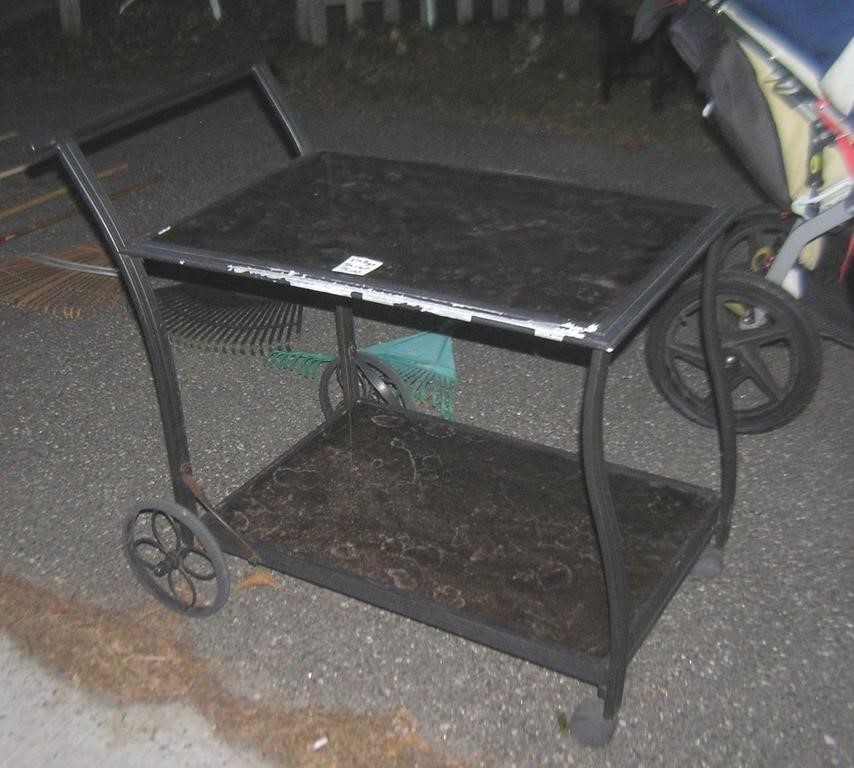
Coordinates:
[135,657]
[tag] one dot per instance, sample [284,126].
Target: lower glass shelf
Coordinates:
[480,534]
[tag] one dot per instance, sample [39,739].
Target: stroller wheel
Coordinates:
[772,353]
[752,244]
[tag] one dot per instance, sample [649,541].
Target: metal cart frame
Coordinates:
[626,617]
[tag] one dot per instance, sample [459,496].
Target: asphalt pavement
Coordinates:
[753,669]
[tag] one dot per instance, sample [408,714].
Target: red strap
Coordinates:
[849,260]
[841,133]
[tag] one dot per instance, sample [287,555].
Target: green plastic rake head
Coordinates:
[425,362]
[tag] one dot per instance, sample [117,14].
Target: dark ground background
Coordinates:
[751,670]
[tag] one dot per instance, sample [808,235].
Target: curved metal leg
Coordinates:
[165,377]
[602,508]
[148,314]
[720,392]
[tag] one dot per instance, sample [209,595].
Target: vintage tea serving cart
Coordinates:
[561,559]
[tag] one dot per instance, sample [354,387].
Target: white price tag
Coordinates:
[357,265]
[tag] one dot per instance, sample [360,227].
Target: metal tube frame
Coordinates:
[599,491]
[720,391]
[804,232]
[607,529]
[346,336]
[595,470]
[148,314]
[97,200]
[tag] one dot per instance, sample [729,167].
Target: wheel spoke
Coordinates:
[182,588]
[375,385]
[762,335]
[758,372]
[736,378]
[197,565]
[688,353]
[153,545]
[705,403]
[159,535]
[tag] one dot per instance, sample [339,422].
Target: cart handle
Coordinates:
[193,87]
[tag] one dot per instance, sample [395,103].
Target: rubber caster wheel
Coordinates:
[376,382]
[772,353]
[175,557]
[710,564]
[589,726]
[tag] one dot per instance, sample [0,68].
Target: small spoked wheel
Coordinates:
[772,353]
[176,557]
[376,381]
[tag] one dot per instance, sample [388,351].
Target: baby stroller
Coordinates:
[779,75]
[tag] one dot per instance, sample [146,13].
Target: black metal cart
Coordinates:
[564,560]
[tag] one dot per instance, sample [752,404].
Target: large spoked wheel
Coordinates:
[176,557]
[772,353]
[375,381]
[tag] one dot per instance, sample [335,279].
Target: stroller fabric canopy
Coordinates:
[814,39]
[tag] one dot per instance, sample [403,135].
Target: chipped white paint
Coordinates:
[540,329]
[266,274]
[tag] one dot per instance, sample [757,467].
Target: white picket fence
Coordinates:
[312,14]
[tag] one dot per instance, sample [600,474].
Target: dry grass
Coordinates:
[136,658]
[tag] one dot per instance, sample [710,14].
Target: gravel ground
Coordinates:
[750,670]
